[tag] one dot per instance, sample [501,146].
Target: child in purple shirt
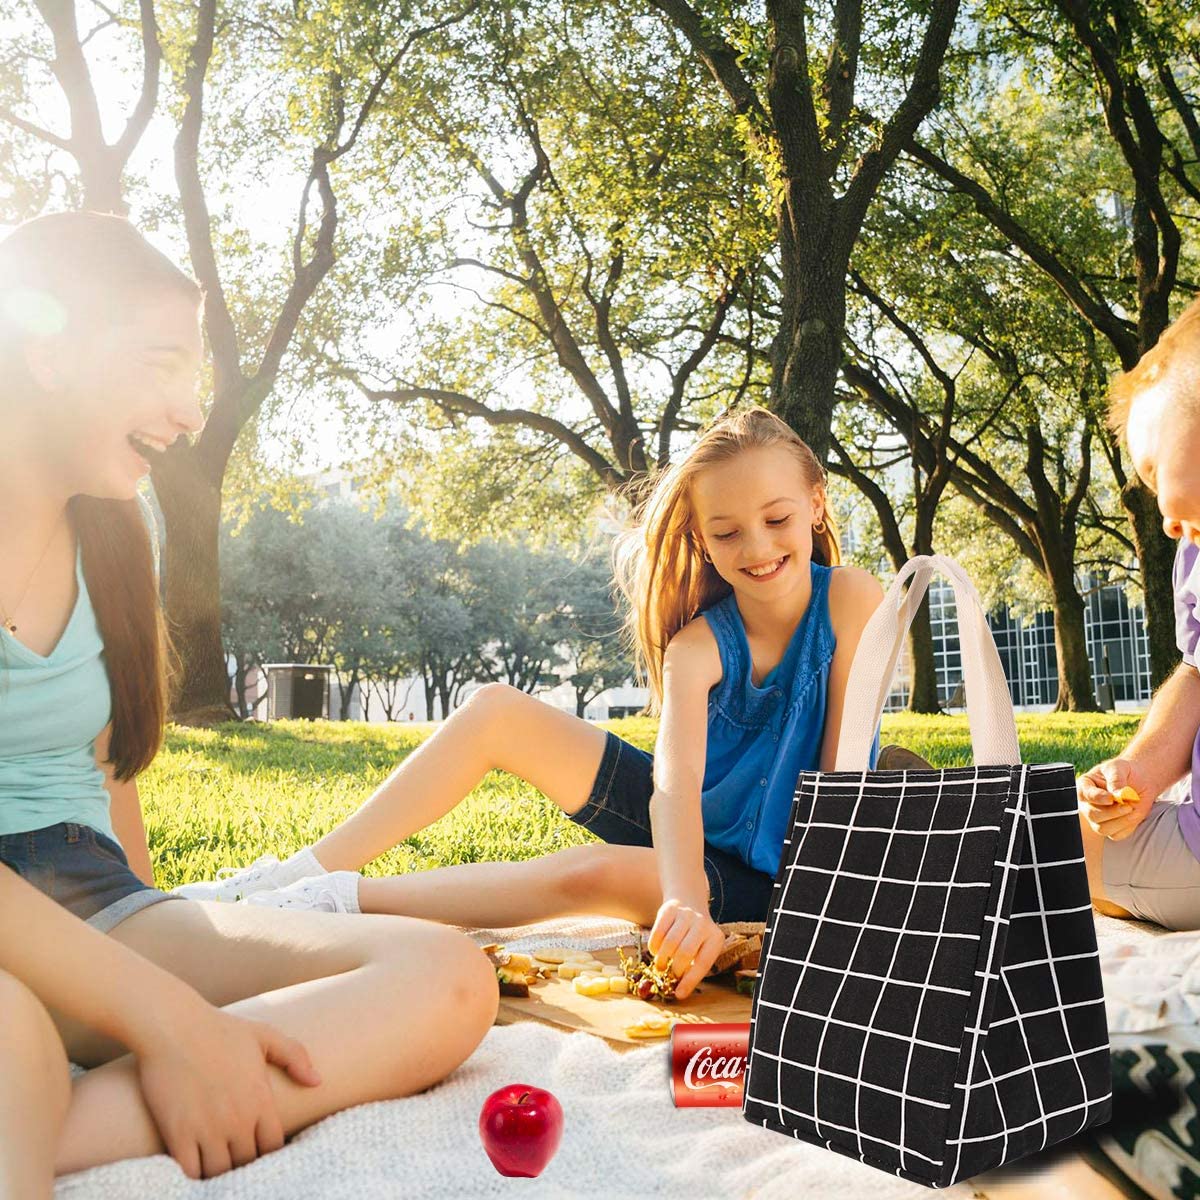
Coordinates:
[1143,853]
[1186,579]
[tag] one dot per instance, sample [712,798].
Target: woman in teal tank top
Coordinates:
[744,627]
[99,350]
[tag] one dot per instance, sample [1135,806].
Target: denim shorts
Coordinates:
[618,811]
[86,872]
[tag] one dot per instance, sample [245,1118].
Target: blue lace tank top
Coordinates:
[761,736]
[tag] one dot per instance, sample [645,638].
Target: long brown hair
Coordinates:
[69,271]
[658,561]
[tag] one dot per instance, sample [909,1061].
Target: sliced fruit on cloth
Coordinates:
[592,985]
[653,1025]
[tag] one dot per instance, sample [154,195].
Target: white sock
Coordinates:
[345,883]
[301,865]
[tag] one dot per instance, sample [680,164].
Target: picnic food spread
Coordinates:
[636,977]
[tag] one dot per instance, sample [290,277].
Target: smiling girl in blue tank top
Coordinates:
[744,627]
[761,736]
[776,624]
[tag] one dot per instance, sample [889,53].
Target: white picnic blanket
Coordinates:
[623,1136]
[1151,983]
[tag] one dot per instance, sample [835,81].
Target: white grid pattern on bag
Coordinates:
[1005,863]
[800,976]
[912,1041]
[966,789]
[926,986]
[929,970]
[1053,962]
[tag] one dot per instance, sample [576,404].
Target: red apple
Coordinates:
[521,1127]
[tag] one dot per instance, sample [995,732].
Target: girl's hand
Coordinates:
[689,939]
[205,1081]
[1098,790]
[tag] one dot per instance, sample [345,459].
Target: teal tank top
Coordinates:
[52,709]
[760,737]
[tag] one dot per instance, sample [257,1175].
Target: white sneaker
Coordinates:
[335,892]
[264,874]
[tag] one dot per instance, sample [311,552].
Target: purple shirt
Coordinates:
[1185,578]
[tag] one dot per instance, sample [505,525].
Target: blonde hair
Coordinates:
[1179,340]
[658,561]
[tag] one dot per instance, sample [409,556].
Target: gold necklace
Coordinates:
[5,619]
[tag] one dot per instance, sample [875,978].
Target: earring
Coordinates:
[819,527]
[707,556]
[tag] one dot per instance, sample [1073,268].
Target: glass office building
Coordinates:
[1112,626]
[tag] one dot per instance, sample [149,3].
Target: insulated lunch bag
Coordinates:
[930,999]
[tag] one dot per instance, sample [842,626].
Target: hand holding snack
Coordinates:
[687,939]
[1114,798]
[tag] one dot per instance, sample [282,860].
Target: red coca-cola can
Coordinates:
[708,1064]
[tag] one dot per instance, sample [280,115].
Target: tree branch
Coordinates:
[458,402]
[1098,314]
[222,336]
[721,60]
[679,378]
[53,139]
[837,90]
[148,97]
[919,101]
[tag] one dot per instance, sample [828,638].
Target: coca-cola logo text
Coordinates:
[704,1069]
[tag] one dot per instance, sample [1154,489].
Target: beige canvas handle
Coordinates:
[989,707]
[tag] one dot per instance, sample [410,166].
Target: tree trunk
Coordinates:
[191,507]
[102,181]
[1156,557]
[240,671]
[925,696]
[806,353]
[1075,688]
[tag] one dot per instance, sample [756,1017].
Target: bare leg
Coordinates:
[498,727]
[353,990]
[35,1090]
[618,881]
[1093,854]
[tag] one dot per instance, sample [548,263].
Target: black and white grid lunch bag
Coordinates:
[930,999]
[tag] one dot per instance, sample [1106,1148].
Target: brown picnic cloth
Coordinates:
[587,932]
[556,1003]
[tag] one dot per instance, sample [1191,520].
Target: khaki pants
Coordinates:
[1152,872]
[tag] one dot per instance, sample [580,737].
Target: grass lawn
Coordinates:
[223,796]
